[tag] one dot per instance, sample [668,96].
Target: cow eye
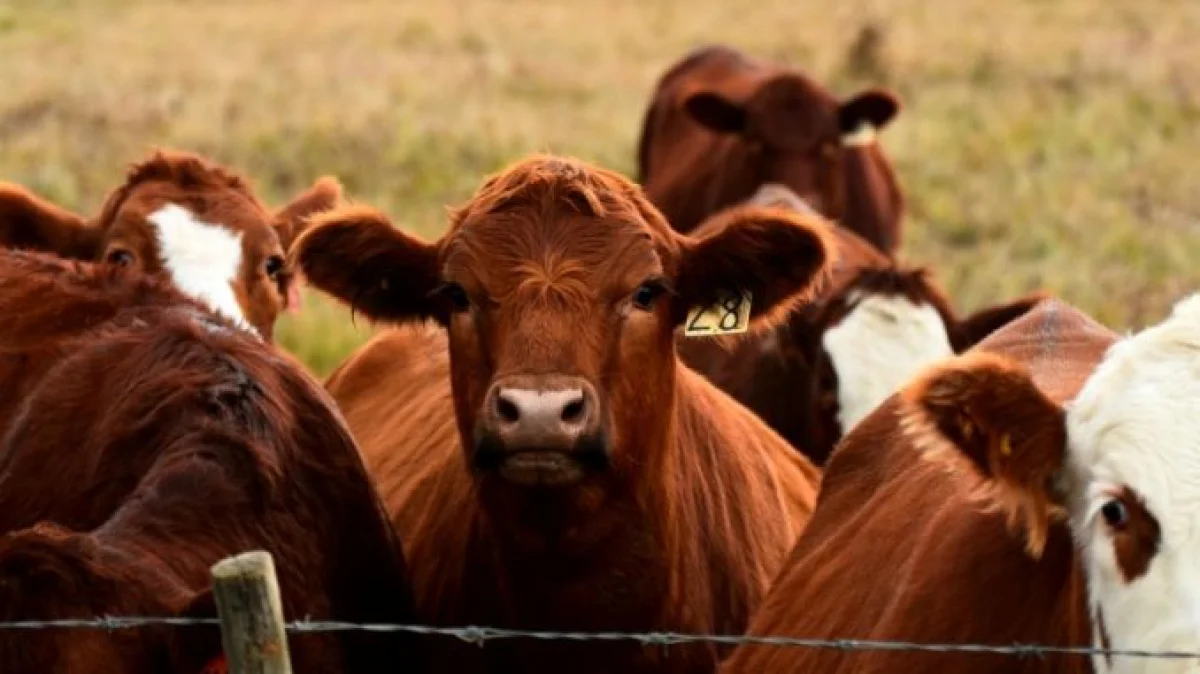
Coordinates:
[274,265]
[457,296]
[120,257]
[1115,514]
[644,296]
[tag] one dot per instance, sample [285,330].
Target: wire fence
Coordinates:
[482,635]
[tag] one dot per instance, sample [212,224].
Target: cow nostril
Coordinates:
[507,411]
[573,410]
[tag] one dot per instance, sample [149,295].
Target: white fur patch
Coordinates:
[202,258]
[881,344]
[1136,424]
[863,135]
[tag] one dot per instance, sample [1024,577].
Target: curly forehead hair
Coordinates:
[187,170]
[547,182]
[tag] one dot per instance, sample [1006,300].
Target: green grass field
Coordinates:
[1044,144]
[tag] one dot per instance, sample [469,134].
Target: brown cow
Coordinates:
[874,324]
[545,457]
[187,219]
[161,440]
[901,549]
[721,123]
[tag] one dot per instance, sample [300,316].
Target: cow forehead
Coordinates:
[1134,423]
[508,248]
[226,207]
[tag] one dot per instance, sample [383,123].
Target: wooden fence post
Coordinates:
[247,596]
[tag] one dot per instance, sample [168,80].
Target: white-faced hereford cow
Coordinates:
[1057,506]
[720,124]
[155,439]
[873,324]
[187,219]
[546,458]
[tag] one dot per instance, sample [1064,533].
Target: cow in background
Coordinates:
[187,219]
[720,124]
[154,439]
[872,325]
[545,457]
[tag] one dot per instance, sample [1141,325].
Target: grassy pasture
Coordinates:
[1044,144]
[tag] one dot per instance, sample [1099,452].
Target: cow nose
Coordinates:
[535,417]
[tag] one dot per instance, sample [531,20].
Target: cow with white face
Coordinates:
[182,217]
[1119,464]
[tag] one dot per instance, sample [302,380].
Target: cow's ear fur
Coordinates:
[716,113]
[197,649]
[877,107]
[356,255]
[987,410]
[29,222]
[293,218]
[977,326]
[778,256]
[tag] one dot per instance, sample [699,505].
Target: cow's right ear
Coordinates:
[987,410]
[356,255]
[30,222]
[717,113]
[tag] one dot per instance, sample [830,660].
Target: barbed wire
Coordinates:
[481,635]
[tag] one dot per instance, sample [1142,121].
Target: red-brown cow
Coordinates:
[187,219]
[902,549]
[874,324]
[545,457]
[161,440]
[720,124]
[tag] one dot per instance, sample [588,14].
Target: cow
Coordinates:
[163,439]
[545,457]
[1030,491]
[186,218]
[873,324]
[721,123]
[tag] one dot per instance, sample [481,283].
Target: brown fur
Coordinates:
[211,192]
[956,573]
[699,501]
[158,440]
[720,124]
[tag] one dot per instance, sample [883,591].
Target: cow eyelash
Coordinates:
[648,292]
[455,294]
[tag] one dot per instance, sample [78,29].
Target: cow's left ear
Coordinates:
[772,255]
[987,410]
[293,218]
[874,107]
[197,649]
[977,326]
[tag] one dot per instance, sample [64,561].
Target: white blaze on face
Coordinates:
[881,344]
[1136,425]
[202,258]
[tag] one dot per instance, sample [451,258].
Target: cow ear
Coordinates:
[197,649]
[356,255]
[977,326]
[986,410]
[292,219]
[873,107]
[717,113]
[30,222]
[771,255]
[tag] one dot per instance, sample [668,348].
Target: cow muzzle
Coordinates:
[544,430]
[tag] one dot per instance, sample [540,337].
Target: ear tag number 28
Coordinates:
[728,315]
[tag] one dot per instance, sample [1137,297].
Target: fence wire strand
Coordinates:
[481,635]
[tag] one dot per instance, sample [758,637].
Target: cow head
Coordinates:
[50,573]
[797,132]
[561,289]
[1119,464]
[186,219]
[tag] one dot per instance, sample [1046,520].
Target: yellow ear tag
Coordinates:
[728,315]
[1005,446]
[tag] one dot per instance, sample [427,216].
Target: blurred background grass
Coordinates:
[1043,144]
